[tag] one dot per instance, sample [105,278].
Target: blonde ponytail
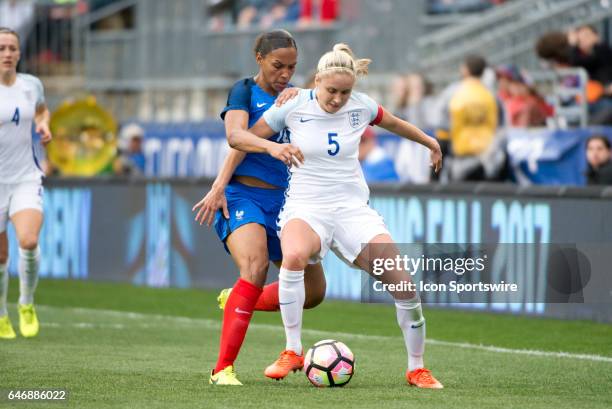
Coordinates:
[342,59]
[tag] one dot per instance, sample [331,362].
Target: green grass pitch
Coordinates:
[114,345]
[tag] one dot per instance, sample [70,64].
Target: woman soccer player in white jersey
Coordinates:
[327,200]
[22,103]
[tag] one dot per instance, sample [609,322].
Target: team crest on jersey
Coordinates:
[354,118]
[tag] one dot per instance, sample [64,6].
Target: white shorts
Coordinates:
[19,196]
[344,230]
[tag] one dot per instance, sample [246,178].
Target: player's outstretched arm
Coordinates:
[215,199]
[406,130]
[235,119]
[256,140]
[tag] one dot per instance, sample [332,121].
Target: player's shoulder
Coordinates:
[302,98]
[305,95]
[29,79]
[245,82]
[243,86]
[361,98]
[277,116]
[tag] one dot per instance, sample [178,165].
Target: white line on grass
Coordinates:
[214,324]
[534,352]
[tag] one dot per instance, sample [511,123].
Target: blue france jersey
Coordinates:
[246,95]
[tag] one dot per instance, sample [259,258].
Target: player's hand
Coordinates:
[287,95]
[287,153]
[45,133]
[435,158]
[208,206]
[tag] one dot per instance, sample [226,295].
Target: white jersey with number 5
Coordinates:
[331,175]
[18,104]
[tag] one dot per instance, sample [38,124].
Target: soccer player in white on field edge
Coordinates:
[326,203]
[22,102]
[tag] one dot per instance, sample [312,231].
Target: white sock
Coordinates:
[291,297]
[28,274]
[411,321]
[4,280]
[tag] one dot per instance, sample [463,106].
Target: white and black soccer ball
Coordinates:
[329,363]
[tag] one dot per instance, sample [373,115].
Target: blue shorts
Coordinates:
[248,204]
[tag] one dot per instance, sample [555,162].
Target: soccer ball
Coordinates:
[329,363]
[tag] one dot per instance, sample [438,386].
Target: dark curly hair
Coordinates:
[553,46]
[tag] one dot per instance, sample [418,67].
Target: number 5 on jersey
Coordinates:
[336,146]
[16,117]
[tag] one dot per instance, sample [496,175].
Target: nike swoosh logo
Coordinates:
[306,120]
[239,311]
[261,105]
[286,303]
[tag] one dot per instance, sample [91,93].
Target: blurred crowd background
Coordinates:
[517,91]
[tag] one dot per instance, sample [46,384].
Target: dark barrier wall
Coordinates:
[537,155]
[144,232]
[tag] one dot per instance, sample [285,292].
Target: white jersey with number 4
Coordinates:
[331,175]
[18,104]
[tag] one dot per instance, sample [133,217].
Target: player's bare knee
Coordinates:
[28,242]
[3,257]
[254,269]
[295,260]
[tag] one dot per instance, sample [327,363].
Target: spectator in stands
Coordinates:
[377,166]
[267,13]
[398,94]
[555,48]
[505,74]
[130,160]
[284,11]
[420,107]
[589,52]
[318,12]
[414,102]
[222,11]
[599,160]
[469,124]
[18,15]
[523,105]
[252,10]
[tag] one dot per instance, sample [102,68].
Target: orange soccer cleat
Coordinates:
[287,362]
[422,378]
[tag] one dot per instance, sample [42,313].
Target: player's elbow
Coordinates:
[233,138]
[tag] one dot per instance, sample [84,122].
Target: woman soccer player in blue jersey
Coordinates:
[327,200]
[245,201]
[22,105]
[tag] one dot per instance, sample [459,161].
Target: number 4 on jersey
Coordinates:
[16,117]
